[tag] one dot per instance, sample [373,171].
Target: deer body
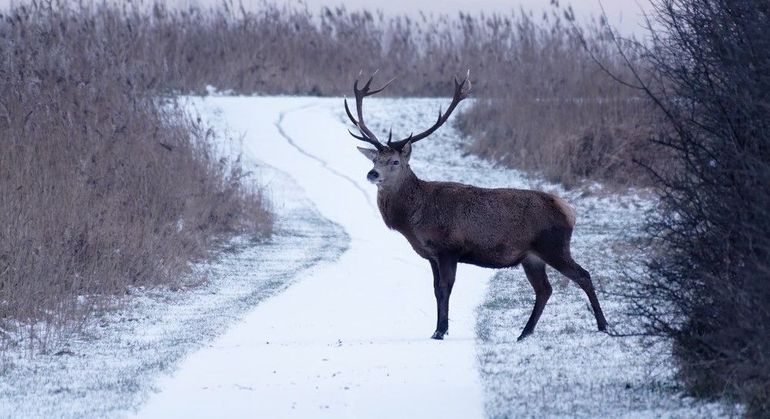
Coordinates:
[492,228]
[449,223]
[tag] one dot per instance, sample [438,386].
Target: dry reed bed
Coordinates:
[103,187]
[546,105]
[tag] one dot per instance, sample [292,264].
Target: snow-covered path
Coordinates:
[352,339]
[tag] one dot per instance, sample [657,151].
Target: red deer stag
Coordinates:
[449,223]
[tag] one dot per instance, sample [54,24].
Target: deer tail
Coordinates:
[565,209]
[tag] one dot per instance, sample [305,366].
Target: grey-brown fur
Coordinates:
[449,223]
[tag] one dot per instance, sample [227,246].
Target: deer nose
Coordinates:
[372,175]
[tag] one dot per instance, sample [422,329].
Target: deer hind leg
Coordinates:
[576,273]
[534,267]
[564,263]
[444,270]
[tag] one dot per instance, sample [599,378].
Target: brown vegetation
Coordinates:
[102,186]
[558,112]
[544,104]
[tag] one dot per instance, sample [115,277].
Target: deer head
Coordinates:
[391,160]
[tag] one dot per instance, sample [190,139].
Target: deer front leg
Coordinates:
[436,292]
[444,270]
[534,268]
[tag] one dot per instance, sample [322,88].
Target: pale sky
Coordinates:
[625,15]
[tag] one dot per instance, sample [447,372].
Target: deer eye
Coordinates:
[395,162]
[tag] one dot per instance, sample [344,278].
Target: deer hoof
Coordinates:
[523,336]
[438,335]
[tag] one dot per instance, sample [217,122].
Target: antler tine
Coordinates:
[350,114]
[365,91]
[460,93]
[359,137]
[368,83]
[384,86]
[366,134]
[362,137]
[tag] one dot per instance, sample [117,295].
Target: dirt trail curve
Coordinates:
[351,340]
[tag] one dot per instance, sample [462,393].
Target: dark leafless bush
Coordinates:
[708,283]
[102,187]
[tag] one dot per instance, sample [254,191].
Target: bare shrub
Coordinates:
[102,187]
[707,286]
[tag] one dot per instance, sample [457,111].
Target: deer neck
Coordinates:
[400,204]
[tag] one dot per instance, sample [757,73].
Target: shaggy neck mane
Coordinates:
[398,205]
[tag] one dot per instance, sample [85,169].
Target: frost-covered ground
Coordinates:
[349,338]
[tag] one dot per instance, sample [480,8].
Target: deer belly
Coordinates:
[496,256]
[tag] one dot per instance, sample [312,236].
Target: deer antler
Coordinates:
[461,92]
[366,134]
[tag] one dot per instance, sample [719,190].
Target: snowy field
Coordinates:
[350,336]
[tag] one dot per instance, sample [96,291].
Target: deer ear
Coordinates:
[406,151]
[368,152]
